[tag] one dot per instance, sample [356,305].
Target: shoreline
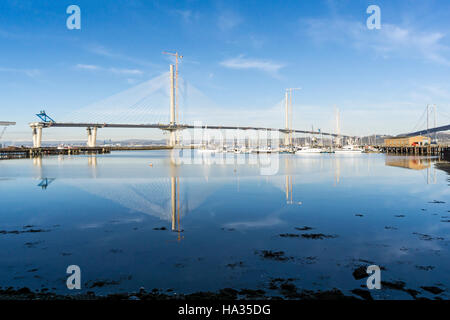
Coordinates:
[287,293]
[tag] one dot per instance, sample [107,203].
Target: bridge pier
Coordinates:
[172,138]
[92,136]
[37,134]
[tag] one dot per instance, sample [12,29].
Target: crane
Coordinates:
[44,116]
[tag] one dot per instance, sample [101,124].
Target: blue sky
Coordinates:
[241,55]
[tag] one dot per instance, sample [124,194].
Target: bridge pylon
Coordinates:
[92,136]
[36,128]
[173,132]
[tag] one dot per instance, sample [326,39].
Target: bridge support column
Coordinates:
[92,136]
[172,138]
[287,139]
[37,135]
[172,133]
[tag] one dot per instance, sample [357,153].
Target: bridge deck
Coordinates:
[426,131]
[172,127]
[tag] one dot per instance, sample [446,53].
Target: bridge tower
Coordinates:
[172,138]
[288,118]
[337,140]
[286,136]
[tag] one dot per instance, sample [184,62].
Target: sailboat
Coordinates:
[349,149]
[308,149]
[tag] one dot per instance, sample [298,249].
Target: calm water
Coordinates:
[100,212]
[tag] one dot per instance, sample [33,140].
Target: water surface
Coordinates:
[136,219]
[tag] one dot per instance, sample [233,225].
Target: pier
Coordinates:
[25,152]
[139,148]
[427,150]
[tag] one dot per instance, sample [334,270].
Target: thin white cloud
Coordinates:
[228,20]
[87,67]
[126,71]
[390,40]
[188,16]
[105,52]
[241,63]
[120,71]
[426,44]
[102,51]
[29,72]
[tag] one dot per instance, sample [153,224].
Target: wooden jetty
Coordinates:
[136,148]
[427,150]
[25,152]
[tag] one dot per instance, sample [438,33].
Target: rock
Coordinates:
[397,285]
[432,289]
[24,290]
[319,236]
[360,273]
[425,268]
[252,293]
[289,235]
[228,294]
[275,255]
[304,228]
[365,294]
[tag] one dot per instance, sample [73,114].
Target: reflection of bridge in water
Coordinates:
[165,197]
[160,197]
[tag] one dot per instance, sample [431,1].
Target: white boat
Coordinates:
[262,150]
[206,150]
[349,149]
[308,150]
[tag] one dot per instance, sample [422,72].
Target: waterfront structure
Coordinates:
[407,141]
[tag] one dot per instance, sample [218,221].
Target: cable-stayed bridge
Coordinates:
[149,99]
[152,93]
